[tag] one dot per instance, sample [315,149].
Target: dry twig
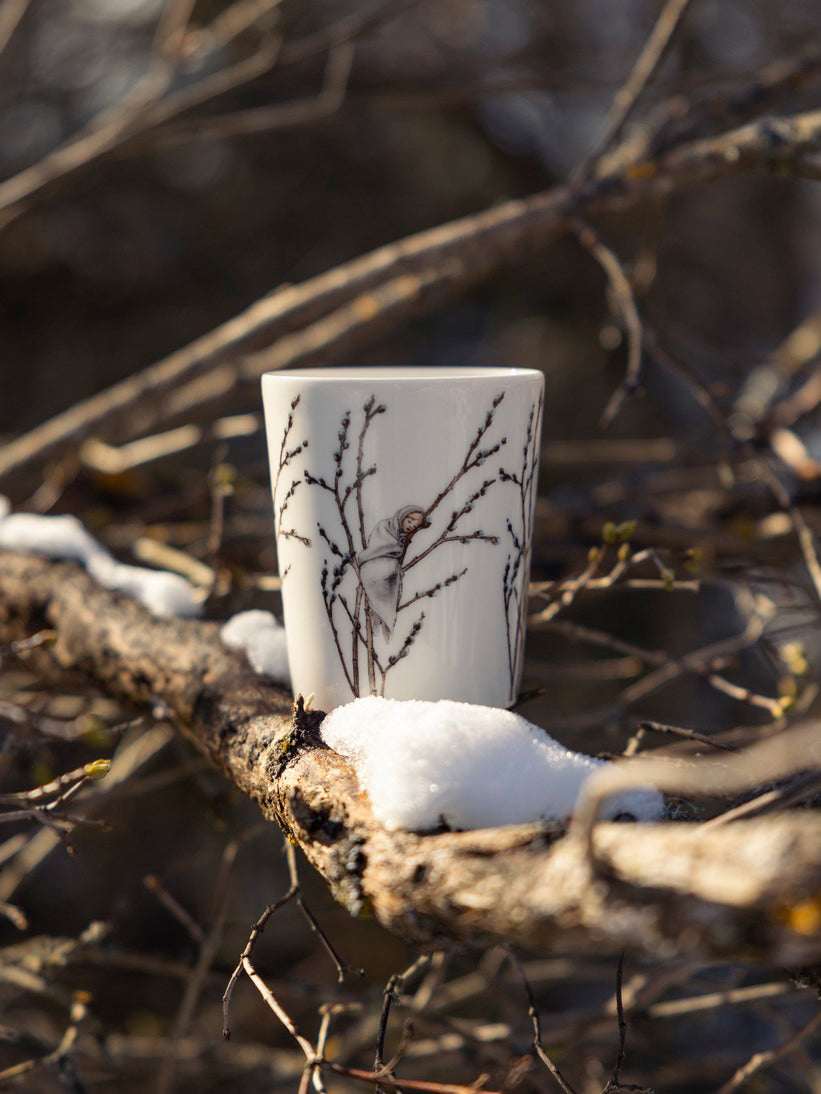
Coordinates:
[533,1014]
[652,54]
[621,294]
[11,15]
[764,1059]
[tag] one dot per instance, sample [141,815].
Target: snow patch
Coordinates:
[262,639]
[162,593]
[424,763]
[53,537]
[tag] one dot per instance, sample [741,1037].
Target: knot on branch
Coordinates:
[304,733]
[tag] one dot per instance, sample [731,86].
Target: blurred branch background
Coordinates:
[168,164]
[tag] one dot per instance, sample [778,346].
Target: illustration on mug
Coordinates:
[520,530]
[366,563]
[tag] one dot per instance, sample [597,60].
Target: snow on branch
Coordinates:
[65,537]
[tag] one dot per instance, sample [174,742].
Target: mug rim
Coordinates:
[406,373]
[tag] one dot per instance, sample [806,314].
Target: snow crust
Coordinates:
[162,593]
[425,763]
[263,639]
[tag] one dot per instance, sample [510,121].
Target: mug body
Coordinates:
[403,507]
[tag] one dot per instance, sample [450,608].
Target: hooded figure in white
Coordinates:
[380,564]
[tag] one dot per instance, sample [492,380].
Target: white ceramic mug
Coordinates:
[403,506]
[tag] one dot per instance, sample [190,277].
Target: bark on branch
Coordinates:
[714,892]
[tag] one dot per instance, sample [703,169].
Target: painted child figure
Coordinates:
[380,564]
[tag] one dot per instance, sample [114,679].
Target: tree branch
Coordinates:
[353,303]
[714,893]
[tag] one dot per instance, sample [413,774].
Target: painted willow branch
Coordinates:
[717,892]
[354,303]
[365,562]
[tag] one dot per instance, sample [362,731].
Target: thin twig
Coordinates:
[647,64]
[226,27]
[61,1054]
[11,14]
[764,1059]
[533,1014]
[59,786]
[694,1004]
[621,294]
[678,731]
[172,26]
[205,958]
[390,997]
[115,460]
[14,915]
[274,1005]
[341,966]
[796,790]
[294,892]
[614,1082]
[422,1085]
[265,119]
[705,399]
[701,662]
[562,593]
[803,532]
[172,905]
[256,930]
[25,645]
